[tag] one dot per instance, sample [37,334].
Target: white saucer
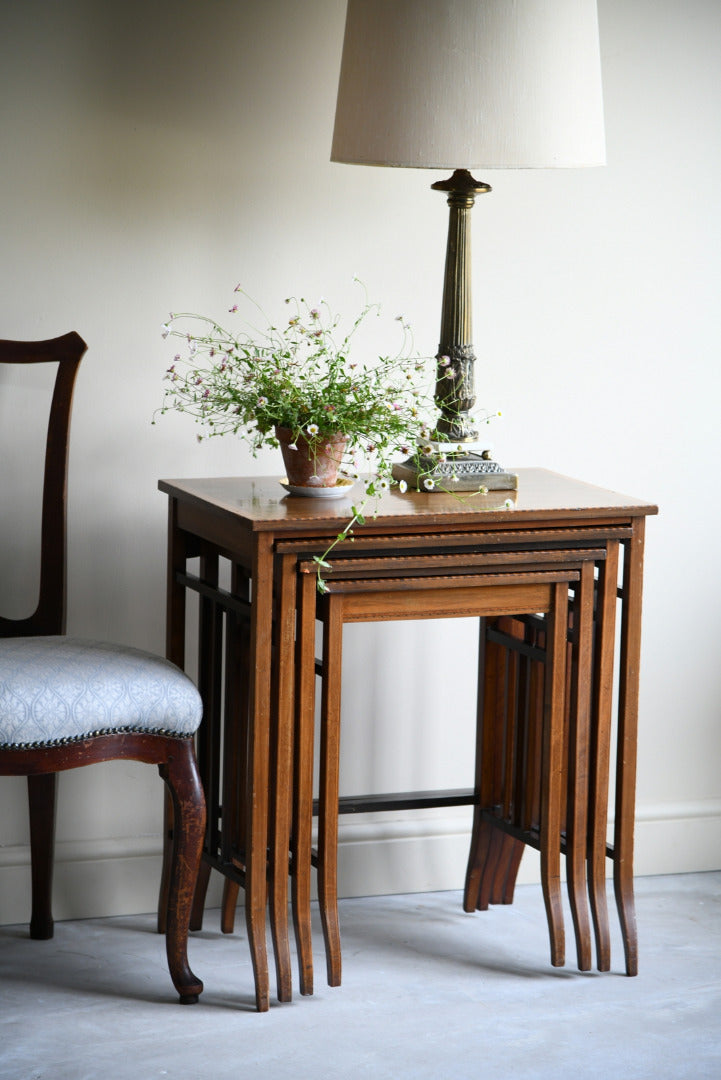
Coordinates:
[342,487]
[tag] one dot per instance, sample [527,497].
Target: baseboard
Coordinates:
[678,838]
[430,855]
[380,855]
[92,879]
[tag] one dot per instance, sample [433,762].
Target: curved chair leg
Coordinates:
[181,776]
[201,885]
[167,860]
[42,796]
[201,888]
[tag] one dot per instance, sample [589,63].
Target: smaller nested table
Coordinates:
[457,586]
[247,644]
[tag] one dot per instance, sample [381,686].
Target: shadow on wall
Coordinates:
[160,95]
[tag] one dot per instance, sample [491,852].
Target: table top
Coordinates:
[261,504]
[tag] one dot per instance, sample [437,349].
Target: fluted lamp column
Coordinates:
[461,85]
[455,394]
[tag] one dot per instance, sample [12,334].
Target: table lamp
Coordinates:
[462,84]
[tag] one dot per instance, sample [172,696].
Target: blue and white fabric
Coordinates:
[56,689]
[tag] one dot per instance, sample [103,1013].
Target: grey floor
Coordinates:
[428,992]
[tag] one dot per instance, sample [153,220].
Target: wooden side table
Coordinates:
[248,667]
[472,589]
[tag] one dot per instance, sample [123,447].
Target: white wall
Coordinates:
[154,155]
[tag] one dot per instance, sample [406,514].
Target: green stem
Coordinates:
[321,561]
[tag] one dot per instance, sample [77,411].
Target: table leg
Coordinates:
[605,636]
[282,774]
[578,746]
[235,738]
[552,771]
[329,786]
[627,741]
[490,706]
[208,741]
[494,857]
[507,867]
[303,779]
[256,795]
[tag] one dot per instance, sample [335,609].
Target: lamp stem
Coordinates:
[462,467]
[455,391]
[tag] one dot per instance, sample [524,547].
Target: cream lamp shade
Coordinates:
[446,84]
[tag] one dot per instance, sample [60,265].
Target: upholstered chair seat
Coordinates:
[59,689]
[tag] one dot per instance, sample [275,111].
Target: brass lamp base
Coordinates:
[457,470]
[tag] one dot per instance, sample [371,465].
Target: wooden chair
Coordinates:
[67,702]
[471,593]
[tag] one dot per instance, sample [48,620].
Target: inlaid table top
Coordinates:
[261,505]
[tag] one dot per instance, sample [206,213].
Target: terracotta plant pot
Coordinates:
[313,465]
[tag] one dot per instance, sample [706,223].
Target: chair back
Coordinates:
[67,352]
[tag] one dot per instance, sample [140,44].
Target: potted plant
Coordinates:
[296,385]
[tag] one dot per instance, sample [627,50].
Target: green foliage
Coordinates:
[302,376]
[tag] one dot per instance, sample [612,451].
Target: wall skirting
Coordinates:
[385,854]
[93,878]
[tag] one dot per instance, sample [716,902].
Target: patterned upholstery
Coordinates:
[59,689]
